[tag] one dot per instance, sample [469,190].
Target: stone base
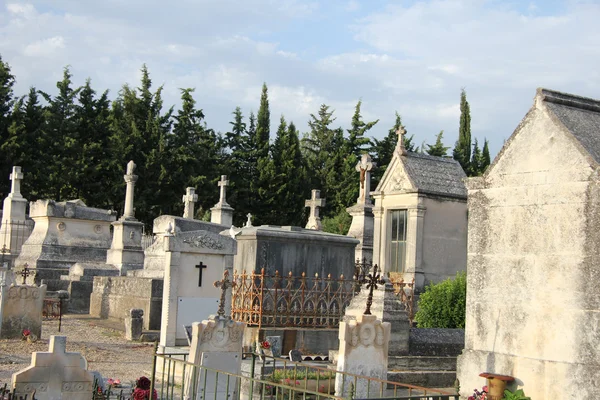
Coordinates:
[362,228]
[542,379]
[126,249]
[125,260]
[81,284]
[221,214]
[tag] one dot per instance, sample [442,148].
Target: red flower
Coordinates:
[26,332]
[265,345]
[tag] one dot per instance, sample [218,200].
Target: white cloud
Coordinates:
[26,10]
[45,47]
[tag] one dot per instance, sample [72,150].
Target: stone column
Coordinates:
[414,247]
[222,213]
[189,199]
[13,231]
[378,249]
[363,351]
[168,322]
[315,202]
[362,227]
[126,251]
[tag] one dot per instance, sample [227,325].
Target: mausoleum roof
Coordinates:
[579,115]
[437,175]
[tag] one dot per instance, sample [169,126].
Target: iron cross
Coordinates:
[200,268]
[25,272]
[223,284]
[372,280]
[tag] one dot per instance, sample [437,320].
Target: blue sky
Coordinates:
[407,56]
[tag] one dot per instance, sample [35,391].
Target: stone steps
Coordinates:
[429,379]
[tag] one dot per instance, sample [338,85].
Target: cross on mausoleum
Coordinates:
[364,166]
[200,268]
[223,284]
[16,177]
[223,183]
[189,199]
[249,221]
[400,145]
[372,280]
[314,222]
[25,272]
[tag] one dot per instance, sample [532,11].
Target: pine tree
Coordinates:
[261,187]
[238,166]
[263,125]
[486,156]
[7,81]
[438,149]
[477,161]
[462,149]
[383,150]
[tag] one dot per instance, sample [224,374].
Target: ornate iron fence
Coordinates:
[406,294]
[305,302]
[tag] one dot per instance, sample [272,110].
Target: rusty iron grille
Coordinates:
[406,294]
[265,300]
[51,308]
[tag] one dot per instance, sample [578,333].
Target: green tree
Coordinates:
[261,188]
[486,156]
[338,223]
[383,150]
[443,304]
[438,149]
[477,161]
[462,149]
[7,81]
[239,165]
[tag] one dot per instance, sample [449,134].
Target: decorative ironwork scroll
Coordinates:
[406,294]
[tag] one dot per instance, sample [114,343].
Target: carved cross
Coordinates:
[372,280]
[200,268]
[25,272]
[223,284]
[401,131]
[223,183]
[249,221]
[16,177]
[189,199]
[364,166]
[314,222]
[130,167]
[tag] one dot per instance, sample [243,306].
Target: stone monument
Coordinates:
[55,374]
[363,221]
[315,202]
[189,200]
[14,229]
[126,251]
[222,213]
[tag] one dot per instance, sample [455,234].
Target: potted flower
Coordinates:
[479,395]
[30,337]
[142,390]
[496,384]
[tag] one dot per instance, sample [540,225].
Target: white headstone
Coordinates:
[315,202]
[364,166]
[16,177]
[189,199]
[223,183]
[222,213]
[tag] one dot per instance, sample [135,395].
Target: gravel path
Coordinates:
[105,349]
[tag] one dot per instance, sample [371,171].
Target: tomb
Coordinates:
[533,297]
[420,228]
[65,233]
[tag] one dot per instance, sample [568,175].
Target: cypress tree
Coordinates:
[462,149]
[238,166]
[263,125]
[438,149]
[486,156]
[7,81]
[383,150]
[261,187]
[477,162]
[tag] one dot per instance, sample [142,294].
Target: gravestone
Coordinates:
[134,324]
[222,213]
[189,200]
[315,202]
[363,351]
[14,230]
[295,355]
[275,345]
[55,374]
[21,307]
[363,220]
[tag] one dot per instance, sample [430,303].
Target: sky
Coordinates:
[413,57]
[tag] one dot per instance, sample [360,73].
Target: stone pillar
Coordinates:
[414,247]
[315,202]
[189,199]
[363,351]
[168,322]
[126,251]
[216,345]
[13,231]
[363,221]
[222,213]
[134,323]
[379,226]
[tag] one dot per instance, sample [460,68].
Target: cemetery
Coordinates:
[199,308]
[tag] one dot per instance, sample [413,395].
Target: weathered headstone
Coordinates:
[295,355]
[14,230]
[315,202]
[134,324]
[363,351]
[189,200]
[21,307]
[222,213]
[55,374]
[274,345]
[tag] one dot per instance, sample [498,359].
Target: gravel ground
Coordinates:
[105,349]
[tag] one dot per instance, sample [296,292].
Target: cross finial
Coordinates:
[16,177]
[249,221]
[25,272]
[130,167]
[315,201]
[223,284]
[372,280]
[364,166]
[401,131]
[223,183]
[189,198]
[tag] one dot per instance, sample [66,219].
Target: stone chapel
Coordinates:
[420,211]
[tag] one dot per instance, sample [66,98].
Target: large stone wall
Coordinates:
[113,296]
[533,297]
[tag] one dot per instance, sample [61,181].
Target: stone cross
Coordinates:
[223,284]
[25,272]
[130,179]
[189,199]
[223,183]
[364,166]
[249,221]
[314,222]
[372,280]
[400,145]
[200,268]
[16,177]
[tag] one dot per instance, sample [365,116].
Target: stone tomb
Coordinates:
[55,374]
[65,233]
[193,262]
[21,307]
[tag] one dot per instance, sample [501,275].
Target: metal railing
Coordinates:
[273,378]
[12,236]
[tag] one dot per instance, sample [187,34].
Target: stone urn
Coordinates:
[496,384]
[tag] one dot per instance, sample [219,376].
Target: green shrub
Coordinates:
[339,223]
[443,304]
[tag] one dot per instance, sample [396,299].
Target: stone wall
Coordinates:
[113,297]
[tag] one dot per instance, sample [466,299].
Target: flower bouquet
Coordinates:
[479,395]
[142,390]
